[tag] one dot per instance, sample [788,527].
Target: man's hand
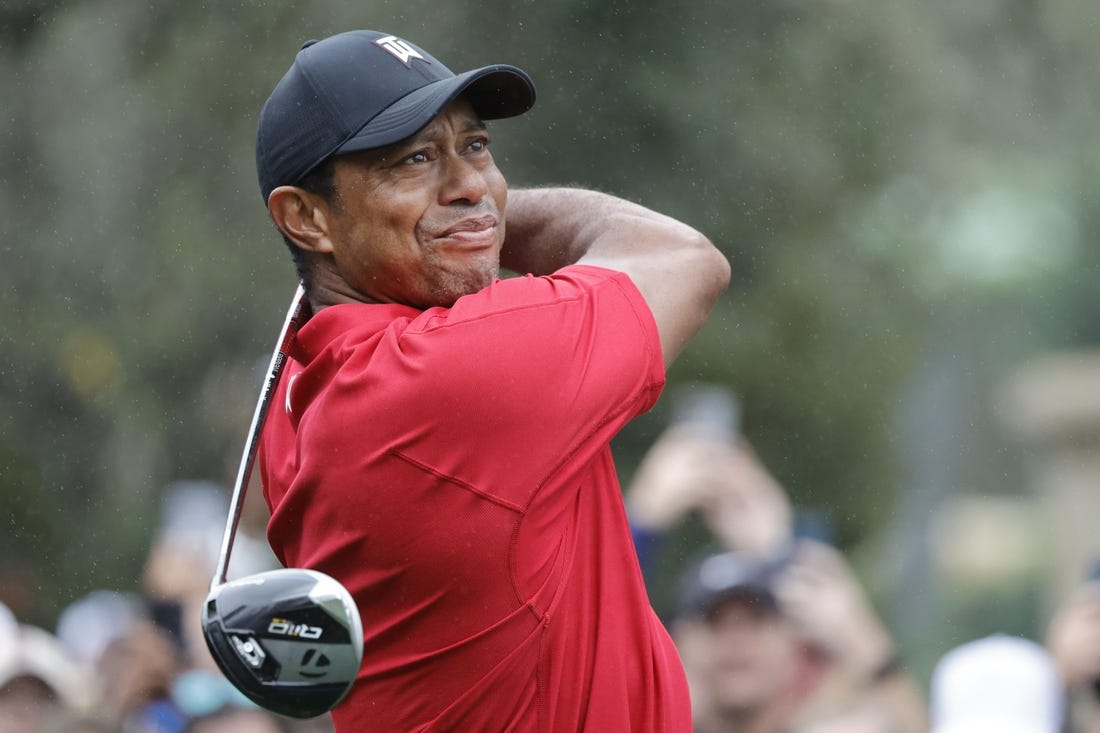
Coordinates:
[678,272]
[745,507]
[688,469]
[676,475]
[137,668]
[821,594]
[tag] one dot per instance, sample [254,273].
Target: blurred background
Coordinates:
[908,190]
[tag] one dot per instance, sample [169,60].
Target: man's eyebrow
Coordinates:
[388,152]
[426,134]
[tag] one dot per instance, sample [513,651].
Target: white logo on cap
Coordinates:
[399,49]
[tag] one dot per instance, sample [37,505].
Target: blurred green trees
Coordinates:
[899,184]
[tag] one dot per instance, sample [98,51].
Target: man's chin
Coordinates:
[467,283]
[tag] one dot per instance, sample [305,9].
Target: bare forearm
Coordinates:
[678,271]
[549,228]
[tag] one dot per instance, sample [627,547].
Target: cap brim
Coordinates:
[705,603]
[752,594]
[495,92]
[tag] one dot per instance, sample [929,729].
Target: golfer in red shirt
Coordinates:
[439,439]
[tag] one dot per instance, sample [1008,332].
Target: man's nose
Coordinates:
[463,182]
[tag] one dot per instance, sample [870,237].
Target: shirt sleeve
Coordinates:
[527,374]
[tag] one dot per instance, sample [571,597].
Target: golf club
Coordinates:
[291,639]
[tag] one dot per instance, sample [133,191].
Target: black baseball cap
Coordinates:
[725,576]
[366,89]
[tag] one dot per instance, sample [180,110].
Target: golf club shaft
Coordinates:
[248,457]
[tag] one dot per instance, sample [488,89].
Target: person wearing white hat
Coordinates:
[997,684]
[37,677]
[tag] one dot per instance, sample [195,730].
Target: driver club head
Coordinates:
[291,640]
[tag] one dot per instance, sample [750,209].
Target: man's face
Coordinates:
[420,222]
[742,657]
[25,705]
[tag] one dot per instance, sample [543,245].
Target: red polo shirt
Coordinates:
[451,467]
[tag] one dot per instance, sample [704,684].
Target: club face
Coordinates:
[291,639]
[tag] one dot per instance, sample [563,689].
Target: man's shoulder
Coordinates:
[501,323]
[526,294]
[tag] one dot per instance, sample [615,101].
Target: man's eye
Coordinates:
[418,157]
[480,144]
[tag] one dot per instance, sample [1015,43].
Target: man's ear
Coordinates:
[301,216]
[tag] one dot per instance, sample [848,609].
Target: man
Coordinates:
[38,679]
[750,669]
[1073,643]
[776,632]
[442,447]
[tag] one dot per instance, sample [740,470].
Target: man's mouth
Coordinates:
[474,230]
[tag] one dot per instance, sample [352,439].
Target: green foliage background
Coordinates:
[905,188]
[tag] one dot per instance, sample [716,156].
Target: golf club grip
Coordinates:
[248,457]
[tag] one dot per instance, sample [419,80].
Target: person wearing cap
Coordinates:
[440,441]
[766,652]
[775,629]
[750,669]
[39,680]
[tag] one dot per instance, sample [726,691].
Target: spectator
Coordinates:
[182,559]
[747,666]
[831,652]
[139,668]
[821,596]
[147,648]
[689,469]
[791,641]
[148,684]
[1073,641]
[998,684]
[38,680]
[88,625]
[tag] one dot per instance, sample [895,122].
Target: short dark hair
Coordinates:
[321,181]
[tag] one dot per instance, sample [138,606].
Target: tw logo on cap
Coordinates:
[399,49]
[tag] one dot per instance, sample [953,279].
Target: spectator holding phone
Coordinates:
[829,653]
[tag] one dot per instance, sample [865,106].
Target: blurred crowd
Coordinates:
[776,632]
[778,635]
[136,662]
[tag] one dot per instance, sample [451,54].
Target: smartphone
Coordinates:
[711,407]
[168,617]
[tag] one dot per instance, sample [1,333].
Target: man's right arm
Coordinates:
[679,273]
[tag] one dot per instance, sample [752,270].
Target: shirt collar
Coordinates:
[337,321]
